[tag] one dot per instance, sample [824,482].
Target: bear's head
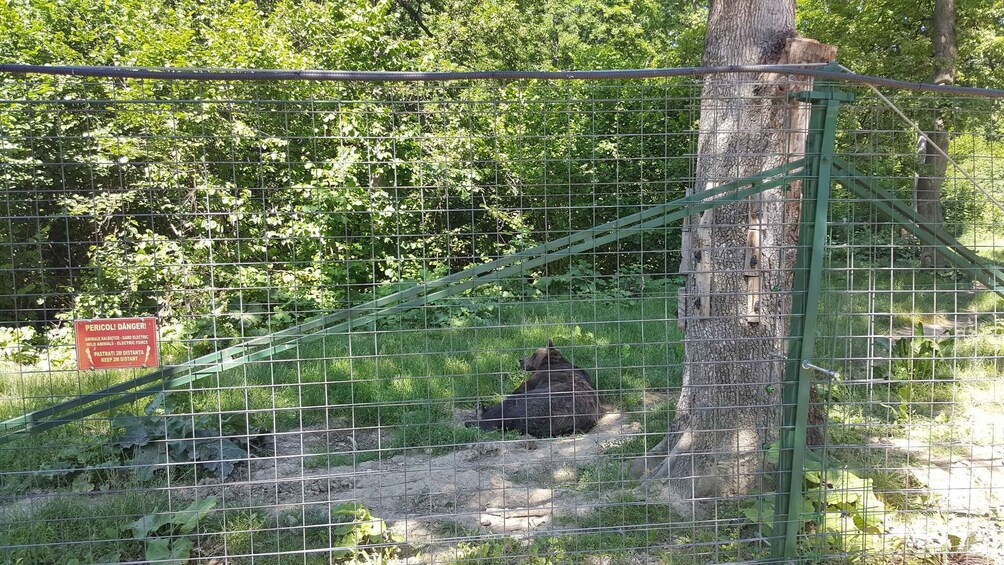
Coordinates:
[543,358]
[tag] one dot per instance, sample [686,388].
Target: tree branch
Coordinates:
[415,16]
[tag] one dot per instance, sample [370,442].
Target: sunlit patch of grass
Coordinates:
[624,526]
[375,378]
[99,529]
[24,388]
[293,536]
[984,242]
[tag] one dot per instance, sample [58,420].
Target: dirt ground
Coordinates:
[504,487]
[966,489]
[518,488]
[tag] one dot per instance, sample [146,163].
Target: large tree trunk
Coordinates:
[736,302]
[932,163]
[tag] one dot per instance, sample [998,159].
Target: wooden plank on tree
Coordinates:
[753,303]
[681,308]
[702,266]
[753,260]
[799,50]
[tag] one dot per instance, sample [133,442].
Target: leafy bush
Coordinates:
[165,534]
[839,508]
[16,346]
[360,537]
[145,444]
[160,437]
[913,358]
[85,465]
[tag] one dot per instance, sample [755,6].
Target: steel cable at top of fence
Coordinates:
[823,71]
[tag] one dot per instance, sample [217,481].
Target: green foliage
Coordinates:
[977,154]
[502,551]
[16,346]
[165,534]
[160,437]
[228,210]
[892,38]
[106,528]
[839,509]
[914,358]
[223,217]
[99,524]
[84,466]
[377,378]
[552,35]
[360,537]
[583,279]
[143,445]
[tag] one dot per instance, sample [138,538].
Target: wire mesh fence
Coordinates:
[354,284]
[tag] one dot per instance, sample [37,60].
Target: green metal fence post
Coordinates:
[819,150]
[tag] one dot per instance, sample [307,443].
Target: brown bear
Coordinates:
[557,399]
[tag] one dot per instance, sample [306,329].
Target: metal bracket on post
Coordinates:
[819,152]
[831,374]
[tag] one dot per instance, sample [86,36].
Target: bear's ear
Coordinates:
[550,343]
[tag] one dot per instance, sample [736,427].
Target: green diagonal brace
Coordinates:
[348,319]
[950,248]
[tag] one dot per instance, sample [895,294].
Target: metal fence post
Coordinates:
[819,152]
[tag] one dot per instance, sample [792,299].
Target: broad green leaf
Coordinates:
[148,459]
[154,404]
[837,522]
[186,520]
[158,550]
[868,521]
[147,525]
[169,551]
[82,483]
[218,455]
[761,511]
[135,432]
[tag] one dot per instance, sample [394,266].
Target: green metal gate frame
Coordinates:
[823,168]
[818,169]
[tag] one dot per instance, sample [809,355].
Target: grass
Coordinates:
[374,378]
[918,353]
[99,530]
[616,532]
[868,315]
[96,526]
[407,379]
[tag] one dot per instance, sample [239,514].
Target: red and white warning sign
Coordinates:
[116,343]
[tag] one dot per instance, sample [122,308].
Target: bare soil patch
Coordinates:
[513,487]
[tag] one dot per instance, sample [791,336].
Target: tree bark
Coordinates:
[932,163]
[737,300]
